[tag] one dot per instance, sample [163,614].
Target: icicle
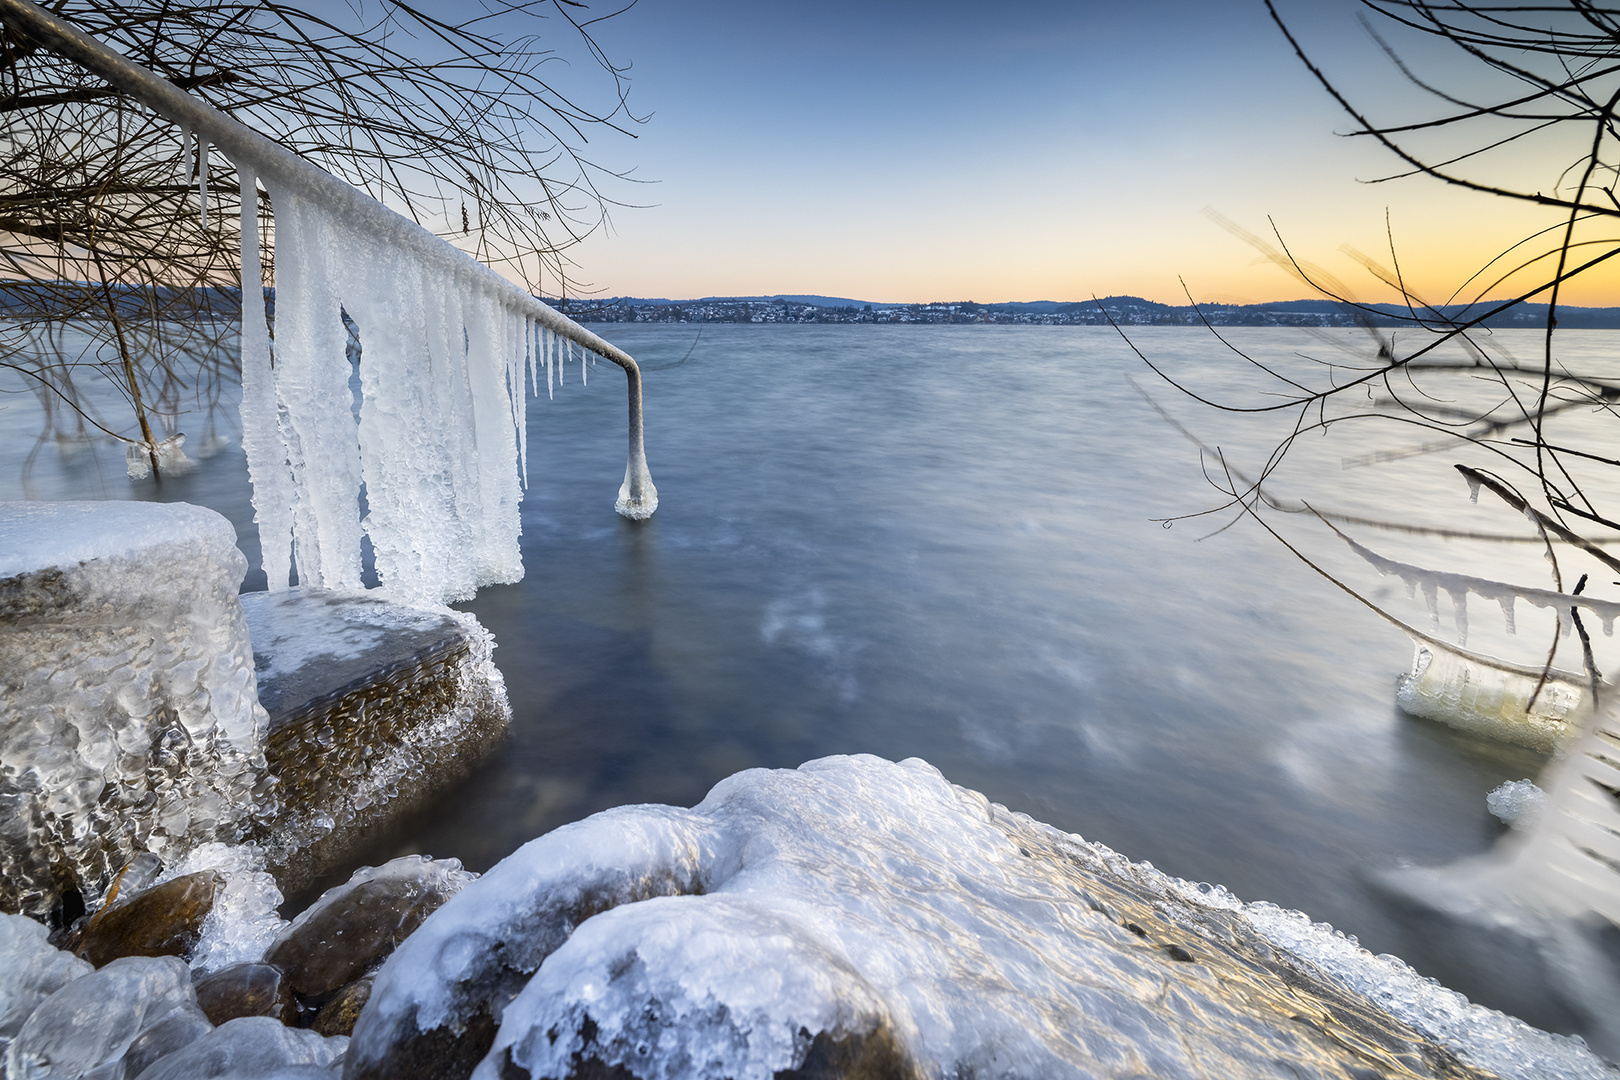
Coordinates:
[1459,613]
[584,368]
[531,342]
[185,155]
[202,178]
[273,490]
[1608,626]
[312,377]
[1507,612]
[1473,489]
[1431,599]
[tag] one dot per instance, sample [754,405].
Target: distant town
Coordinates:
[1120,310]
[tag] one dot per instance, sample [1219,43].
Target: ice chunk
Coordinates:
[243,920]
[172,460]
[34,969]
[252,1046]
[857,899]
[92,1020]
[133,721]
[1516,802]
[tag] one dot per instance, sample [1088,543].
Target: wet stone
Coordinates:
[338,1015]
[251,989]
[354,927]
[165,920]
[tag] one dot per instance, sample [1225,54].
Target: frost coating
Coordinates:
[127,682]
[855,897]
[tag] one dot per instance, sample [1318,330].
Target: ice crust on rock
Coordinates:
[857,897]
[33,969]
[85,1027]
[375,704]
[244,919]
[439,443]
[133,720]
[354,925]
[252,1046]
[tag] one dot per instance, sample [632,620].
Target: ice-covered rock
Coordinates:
[33,970]
[91,1022]
[244,918]
[374,705]
[176,1031]
[254,1046]
[857,910]
[352,927]
[128,715]
[165,920]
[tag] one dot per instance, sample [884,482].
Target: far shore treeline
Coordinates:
[41,300]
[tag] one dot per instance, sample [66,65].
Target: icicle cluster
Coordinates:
[439,440]
[1458,586]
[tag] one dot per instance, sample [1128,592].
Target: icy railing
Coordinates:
[447,344]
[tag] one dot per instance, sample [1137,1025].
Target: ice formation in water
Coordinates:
[856,899]
[440,445]
[133,721]
[1530,919]
[1516,802]
[1492,697]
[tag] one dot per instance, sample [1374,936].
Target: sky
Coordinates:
[916,150]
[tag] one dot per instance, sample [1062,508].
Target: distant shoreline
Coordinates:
[57,300]
[1120,310]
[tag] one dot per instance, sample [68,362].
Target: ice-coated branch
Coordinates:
[289,175]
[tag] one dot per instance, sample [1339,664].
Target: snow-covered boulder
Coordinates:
[861,917]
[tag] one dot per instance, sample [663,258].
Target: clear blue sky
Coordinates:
[1028,149]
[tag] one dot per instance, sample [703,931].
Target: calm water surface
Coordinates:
[941,542]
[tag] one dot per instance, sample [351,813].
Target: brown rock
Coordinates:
[338,1015]
[251,989]
[165,920]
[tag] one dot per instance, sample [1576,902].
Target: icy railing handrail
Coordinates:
[637,498]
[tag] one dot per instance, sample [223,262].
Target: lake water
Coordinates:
[942,542]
